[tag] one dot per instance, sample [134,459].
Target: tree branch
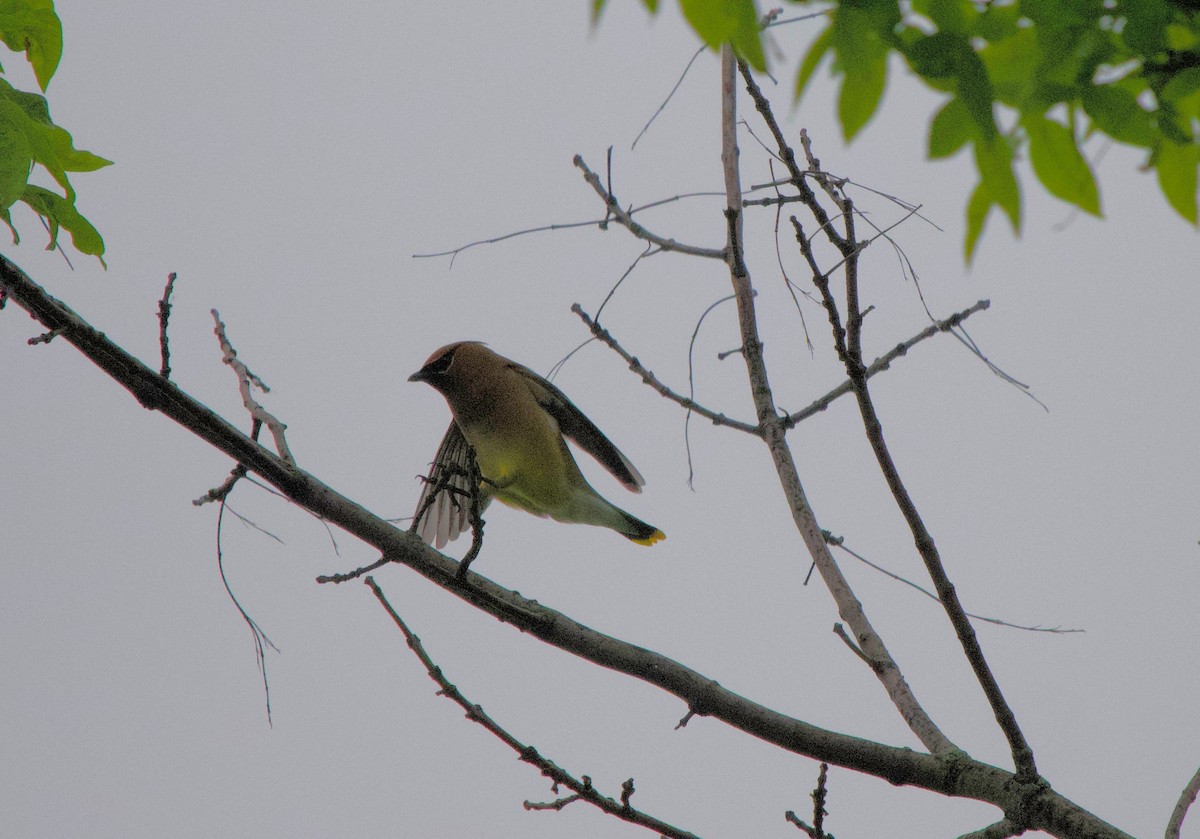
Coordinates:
[848,342]
[774,429]
[1186,799]
[583,789]
[1022,754]
[961,776]
[604,336]
[623,218]
[884,362]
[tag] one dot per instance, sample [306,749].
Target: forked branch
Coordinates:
[847,333]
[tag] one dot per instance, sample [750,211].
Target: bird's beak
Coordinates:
[419,376]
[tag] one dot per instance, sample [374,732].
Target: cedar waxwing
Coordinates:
[515,421]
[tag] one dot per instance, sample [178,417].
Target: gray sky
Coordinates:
[287,160]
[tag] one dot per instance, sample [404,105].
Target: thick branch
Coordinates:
[960,776]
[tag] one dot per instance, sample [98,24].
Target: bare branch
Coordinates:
[1022,754]
[955,775]
[1002,829]
[837,541]
[663,106]
[774,428]
[261,641]
[788,157]
[454,252]
[649,378]
[164,315]
[246,380]
[848,342]
[817,830]
[584,791]
[1186,799]
[624,218]
[884,362]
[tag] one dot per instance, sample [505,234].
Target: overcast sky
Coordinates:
[287,160]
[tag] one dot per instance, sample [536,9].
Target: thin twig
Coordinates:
[261,641]
[788,157]
[600,222]
[840,543]
[649,378]
[164,315]
[625,219]
[787,281]
[687,419]
[238,472]
[884,362]
[246,380]
[663,106]
[582,787]
[817,830]
[454,252]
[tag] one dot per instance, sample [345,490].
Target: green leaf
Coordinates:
[937,56]
[32,27]
[858,40]
[51,146]
[734,22]
[949,56]
[1058,163]
[998,22]
[1012,66]
[994,160]
[1181,96]
[1145,25]
[812,59]
[1182,85]
[7,219]
[948,15]
[59,212]
[950,129]
[1056,13]
[977,211]
[16,159]
[1116,112]
[1181,38]
[1176,165]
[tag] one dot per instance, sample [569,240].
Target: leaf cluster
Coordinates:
[1033,78]
[28,136]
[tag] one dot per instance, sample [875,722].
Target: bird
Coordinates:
[515,422]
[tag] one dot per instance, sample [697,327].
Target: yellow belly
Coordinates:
[534,478]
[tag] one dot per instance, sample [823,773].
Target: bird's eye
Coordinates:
[442,363]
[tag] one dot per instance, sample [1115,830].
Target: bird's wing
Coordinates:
[577,427]
[450,513]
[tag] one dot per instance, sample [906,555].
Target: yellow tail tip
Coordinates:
[656,536]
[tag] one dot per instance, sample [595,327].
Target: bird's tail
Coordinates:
[636,530]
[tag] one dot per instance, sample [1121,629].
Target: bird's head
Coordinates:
[453,364]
